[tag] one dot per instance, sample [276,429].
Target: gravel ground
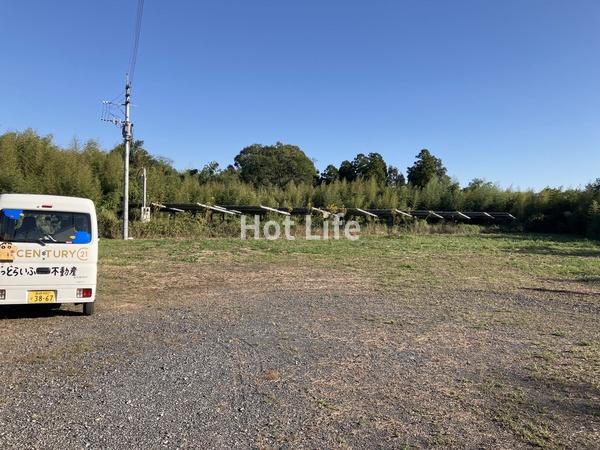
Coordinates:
[278,371]
[290,365]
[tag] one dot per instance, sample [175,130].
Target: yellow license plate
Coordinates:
[41,297]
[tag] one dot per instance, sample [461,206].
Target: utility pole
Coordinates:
[108,115]
[145,211]
[127,128]
[145,187]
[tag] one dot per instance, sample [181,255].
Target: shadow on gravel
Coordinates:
[546,250]
[562,238]
[560,291]
[563,396]
[8,312]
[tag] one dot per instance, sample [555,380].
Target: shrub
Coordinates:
[109,225]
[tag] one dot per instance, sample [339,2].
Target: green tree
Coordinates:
[11,177]
[276,165]
[394,178]
[35,164]
[329,175]
[364,166]
[371,166]
[347,171]
[209,172]
[425,168]
[594,186]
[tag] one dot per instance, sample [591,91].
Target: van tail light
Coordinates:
[84,293]
[2,294]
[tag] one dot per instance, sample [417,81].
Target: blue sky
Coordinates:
[505,90]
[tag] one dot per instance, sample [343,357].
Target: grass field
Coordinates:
[386,342]
[410,261]
[547,339]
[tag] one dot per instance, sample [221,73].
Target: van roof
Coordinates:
[46,202]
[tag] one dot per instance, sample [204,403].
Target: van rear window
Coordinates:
[51,227]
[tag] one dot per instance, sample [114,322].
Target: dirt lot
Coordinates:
[388,342]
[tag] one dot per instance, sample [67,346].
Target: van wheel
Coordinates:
[88,309]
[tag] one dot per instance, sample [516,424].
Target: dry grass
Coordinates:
[520,311]
[426,341]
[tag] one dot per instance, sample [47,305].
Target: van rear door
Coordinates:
[47,250]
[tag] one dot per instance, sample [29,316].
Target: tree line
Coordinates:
[282,175]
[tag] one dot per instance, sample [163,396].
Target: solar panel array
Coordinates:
[370,213]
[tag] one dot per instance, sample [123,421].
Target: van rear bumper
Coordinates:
[17,295]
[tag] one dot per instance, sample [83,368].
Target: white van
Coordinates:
[48,250]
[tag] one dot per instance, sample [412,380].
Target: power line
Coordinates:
[118,113]
[136,39]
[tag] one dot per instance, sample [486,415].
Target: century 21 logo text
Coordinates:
[81,254]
